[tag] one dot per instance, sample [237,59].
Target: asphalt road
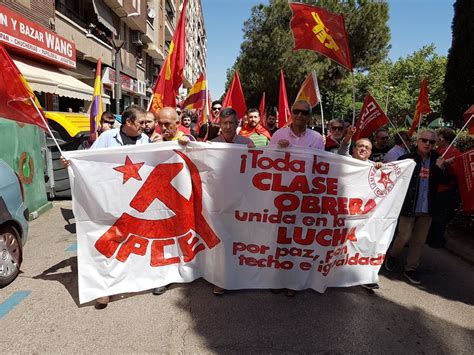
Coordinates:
[40,313]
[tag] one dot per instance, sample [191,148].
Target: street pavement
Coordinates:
[40,311]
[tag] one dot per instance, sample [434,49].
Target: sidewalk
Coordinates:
[461,243]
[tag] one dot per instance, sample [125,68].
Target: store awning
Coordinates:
[51,80]
[104,15]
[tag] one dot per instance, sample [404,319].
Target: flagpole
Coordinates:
[398,133]
[353,99]
[322,116]
[457,135]
[47,125]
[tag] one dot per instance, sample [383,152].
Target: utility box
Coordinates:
[22,148]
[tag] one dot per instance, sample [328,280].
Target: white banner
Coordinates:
[155,214]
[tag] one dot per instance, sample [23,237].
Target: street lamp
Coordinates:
[118,44]
[388,88]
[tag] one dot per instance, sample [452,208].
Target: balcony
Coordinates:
[149,36]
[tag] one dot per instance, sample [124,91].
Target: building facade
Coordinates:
[136,33]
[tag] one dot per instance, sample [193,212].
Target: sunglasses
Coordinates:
[110,122]
[216,108]
[296,111]
[430,141]
[337,128]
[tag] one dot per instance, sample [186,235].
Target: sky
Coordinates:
[413,24]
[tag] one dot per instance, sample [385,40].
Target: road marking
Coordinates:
[12,301]
[72,247]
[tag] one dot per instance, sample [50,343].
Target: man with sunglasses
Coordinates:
[337,132]
[297,133]
[380,146]
[417,209]
[107,121]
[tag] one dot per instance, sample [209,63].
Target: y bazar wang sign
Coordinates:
[25,36]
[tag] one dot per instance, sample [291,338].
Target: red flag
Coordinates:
[284,115]
[171,73]
[469,115]
[16,95]
[263,115]
[422,107]
[322,31]
[235,97]
[309,91]
[464,166]
[371,118]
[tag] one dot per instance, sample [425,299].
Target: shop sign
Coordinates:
[27,37]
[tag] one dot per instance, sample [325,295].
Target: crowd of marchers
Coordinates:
[428,205]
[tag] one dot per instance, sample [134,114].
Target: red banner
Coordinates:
[464,166]
[322,31]
[371,118]
[27,37]
[263,114]
[16,96]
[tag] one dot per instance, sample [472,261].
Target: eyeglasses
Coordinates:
[109,122]
[337,128]
[426,140]
[296,111]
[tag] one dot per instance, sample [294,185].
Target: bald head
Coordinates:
[168,120]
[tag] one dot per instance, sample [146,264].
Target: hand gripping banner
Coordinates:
[151,215]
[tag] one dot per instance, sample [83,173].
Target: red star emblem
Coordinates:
[385,179]
[129,170]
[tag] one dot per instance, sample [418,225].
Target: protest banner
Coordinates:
[151,215]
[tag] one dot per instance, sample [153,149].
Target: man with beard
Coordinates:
[272,126]
[150,126]
[254,130]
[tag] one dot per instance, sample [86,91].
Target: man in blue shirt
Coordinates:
[130,132]
[415,216]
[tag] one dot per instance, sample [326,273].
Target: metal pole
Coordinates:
[118,80]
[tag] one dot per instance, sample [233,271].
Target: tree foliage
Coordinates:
[459,81]
[401,81]
[268,43]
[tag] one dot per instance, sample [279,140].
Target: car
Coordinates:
[13,224]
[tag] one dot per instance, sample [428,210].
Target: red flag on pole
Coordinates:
[235,97]
[16,96]
[322,31]
[469,115]
[464,166]
[171,73]
[284,115]
[263,115]
[422,107]
[309,90]
[371,118]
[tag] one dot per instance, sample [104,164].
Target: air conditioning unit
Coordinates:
[137,38]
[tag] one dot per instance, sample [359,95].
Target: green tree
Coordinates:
[459,80]
[268,44]
[401,81]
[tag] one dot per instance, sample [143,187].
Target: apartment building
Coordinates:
[66,38]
